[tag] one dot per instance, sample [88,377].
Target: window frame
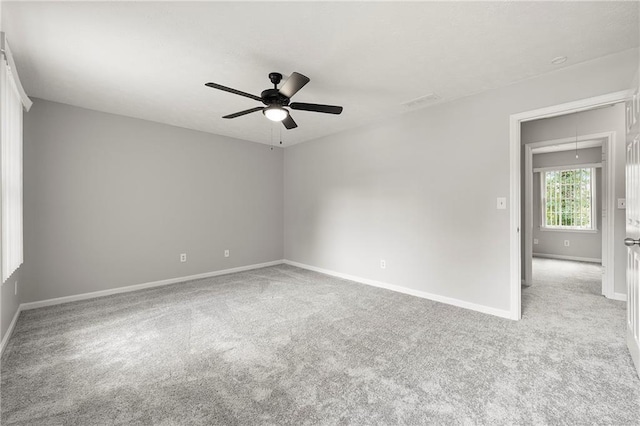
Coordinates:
[11,158]
[543,201]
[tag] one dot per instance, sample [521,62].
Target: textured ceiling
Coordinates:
[151,60]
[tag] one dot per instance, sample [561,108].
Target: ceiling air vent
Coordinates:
[422,101]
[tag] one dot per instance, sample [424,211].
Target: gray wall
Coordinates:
[9,301]
[582,244]
[419,190]
[589,122]
[112,201]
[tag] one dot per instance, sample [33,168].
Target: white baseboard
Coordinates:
[9,332]
[438,298]
[618,296]
[563,257]
[135,287]
[435,297]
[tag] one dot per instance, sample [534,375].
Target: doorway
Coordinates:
[568,202]
[516,222]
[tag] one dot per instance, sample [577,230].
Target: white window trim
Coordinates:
[543,200]
[13,100]
[579,231]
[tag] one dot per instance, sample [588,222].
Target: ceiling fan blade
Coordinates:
[289,123]
[294,83]
[245,112]
[234,91]
[329,109]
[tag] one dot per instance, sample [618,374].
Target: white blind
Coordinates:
[568,199]
[11,161]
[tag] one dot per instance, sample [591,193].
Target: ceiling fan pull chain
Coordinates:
[272,137]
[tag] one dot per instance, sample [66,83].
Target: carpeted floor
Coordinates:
[282,345]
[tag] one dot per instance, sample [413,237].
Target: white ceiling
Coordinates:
[151,60]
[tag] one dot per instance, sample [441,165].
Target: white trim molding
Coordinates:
[563,257]
[422,294]
[578,231]
[515,147]
[6,52]
[618,296]
[567,167]
[9,332]
[127,289]
[136,287]
[632,344]
[607,212]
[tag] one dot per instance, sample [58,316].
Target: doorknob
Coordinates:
[630,242]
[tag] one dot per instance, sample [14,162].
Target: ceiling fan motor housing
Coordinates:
[273,97]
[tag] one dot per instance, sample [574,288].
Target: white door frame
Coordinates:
[515,120]
[608,204]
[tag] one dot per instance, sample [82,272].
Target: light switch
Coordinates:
[501,203]
[535,241]
[622,203]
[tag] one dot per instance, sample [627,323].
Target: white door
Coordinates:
[633,228]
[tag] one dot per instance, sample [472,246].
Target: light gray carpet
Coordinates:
[282,345]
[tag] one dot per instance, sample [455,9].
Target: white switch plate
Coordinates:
[226,253]
[622,203]
[501,203]
[183,257]
[383,264]
[535,241]
[566,243]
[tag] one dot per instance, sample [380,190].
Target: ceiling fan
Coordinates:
[277,99]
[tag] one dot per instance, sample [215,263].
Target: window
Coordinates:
[568,199]
[11,163]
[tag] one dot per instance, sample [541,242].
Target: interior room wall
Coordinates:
[582,245]
[112,201]
[419,190]
[589,122]
[9,300]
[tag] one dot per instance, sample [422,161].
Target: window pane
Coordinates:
[568,198]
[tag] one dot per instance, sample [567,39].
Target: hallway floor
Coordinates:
[569,276]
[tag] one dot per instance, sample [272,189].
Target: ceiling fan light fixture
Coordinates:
[275,113]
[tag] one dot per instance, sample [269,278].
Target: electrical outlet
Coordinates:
[183,257]
[383,264]
[535,241]
[226,253]
[566,243]
[16,289]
